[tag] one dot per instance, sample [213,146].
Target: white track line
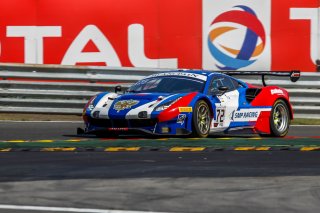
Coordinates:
[63,209]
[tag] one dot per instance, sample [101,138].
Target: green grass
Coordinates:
[304,121]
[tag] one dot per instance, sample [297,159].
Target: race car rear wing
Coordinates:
[294,74]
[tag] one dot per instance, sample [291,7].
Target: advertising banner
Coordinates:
[205,34]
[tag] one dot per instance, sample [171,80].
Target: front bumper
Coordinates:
[135,126]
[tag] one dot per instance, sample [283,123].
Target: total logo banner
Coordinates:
[236,36]
[208,34]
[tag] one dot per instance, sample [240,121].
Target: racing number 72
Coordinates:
[220,116]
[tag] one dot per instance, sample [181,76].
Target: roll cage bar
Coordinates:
[294,74]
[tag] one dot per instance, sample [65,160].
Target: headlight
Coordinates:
[90,105]
[166,105]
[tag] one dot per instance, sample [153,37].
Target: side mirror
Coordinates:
[117,89]
[223,89]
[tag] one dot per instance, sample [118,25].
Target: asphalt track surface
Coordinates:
[227,181]
[67,130]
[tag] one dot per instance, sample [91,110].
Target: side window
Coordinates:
[218,81]
[227,82]
[236,84]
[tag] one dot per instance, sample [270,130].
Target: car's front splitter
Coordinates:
[160,129]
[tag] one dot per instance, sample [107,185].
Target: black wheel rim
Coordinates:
[203,119]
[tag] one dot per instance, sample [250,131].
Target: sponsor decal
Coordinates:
[125,104]
[277,92]
[185,109]
[184,74]
[181,118]
[247,114]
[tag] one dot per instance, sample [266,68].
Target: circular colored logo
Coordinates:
[236,38]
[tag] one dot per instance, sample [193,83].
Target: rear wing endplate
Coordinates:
[294,74]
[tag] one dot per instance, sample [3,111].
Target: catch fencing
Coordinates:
[56,89]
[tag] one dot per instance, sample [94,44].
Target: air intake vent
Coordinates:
[252,93]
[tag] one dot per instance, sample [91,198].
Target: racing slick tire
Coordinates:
[201,120]
[279,119]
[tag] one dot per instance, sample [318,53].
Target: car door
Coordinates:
[225,102]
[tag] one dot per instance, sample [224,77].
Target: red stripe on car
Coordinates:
[173,110]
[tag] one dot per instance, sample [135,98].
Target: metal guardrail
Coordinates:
[57,89]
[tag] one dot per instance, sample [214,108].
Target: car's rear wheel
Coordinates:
[201,120]
[279,119]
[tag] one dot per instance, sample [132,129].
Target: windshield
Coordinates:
[168,84]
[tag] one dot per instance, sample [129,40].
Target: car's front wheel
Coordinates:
[201,120]
[279,119]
